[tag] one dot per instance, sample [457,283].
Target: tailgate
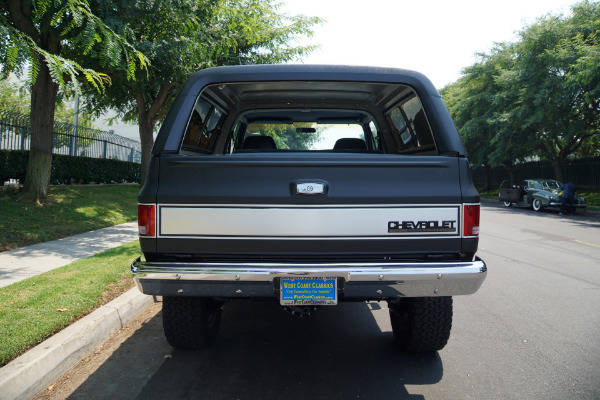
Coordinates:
[303,207]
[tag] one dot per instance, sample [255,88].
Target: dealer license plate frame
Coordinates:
[308,291]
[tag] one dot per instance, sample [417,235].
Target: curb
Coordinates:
[27,375]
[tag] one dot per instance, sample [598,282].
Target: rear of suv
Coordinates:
[310,186]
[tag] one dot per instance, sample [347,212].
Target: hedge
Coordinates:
[70,169]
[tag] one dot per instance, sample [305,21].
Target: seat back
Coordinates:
[259,143]
[350,144]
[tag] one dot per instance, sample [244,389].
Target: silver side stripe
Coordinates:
[308,222]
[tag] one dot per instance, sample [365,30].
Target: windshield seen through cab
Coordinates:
[306,135]
[552,184]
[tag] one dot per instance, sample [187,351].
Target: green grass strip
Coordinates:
[35,308]
[68,210]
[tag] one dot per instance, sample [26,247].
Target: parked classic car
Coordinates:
[535,193]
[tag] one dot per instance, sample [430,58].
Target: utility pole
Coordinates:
[73,141]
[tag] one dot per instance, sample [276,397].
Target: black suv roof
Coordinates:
[241,85]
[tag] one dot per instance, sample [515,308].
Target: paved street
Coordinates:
[531,332]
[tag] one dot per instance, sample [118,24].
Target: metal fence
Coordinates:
[15,134]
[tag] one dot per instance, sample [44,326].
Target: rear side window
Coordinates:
[410,128]
[204,127]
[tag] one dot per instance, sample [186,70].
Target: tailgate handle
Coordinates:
[310,188]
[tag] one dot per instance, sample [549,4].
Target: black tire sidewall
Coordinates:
[190,323]
[421,324]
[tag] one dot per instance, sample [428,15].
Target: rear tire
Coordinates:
[507,204]
[421,324]
[190,323]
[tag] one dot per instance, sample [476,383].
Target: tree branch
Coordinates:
[20,14]
[163,97]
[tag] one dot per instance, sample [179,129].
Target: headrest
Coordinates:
[259,143]
[350,144]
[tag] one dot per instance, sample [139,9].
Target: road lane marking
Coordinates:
[589,244]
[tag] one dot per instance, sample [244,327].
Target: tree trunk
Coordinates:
[146,129]
[487,177]
[511,172]
[43,102]
[557,165]
[148,117]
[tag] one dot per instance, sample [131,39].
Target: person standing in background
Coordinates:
[568,194]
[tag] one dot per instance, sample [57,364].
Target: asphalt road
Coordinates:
[531,332]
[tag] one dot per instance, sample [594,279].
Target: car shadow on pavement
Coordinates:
[264,353]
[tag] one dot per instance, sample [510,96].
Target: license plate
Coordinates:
[308,291]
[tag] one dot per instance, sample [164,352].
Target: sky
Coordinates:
[436,37]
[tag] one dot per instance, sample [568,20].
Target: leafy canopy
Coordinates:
[536,98]
[58,33]
[181,37]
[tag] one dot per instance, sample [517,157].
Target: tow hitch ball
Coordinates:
[300,311]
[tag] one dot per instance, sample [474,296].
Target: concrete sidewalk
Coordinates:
[27,375]
[25,262]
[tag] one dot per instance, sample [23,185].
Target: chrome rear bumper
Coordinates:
[355,280]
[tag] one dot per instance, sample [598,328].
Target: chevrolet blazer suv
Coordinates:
[309,186]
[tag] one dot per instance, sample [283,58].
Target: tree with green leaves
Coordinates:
[50,38]
[536,98]
[183,36]
[482,109]
[559,76]
[16,97]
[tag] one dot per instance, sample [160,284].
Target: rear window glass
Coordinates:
[203,128]
[507,184]
[410,128]
[291,116]
[303,136]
